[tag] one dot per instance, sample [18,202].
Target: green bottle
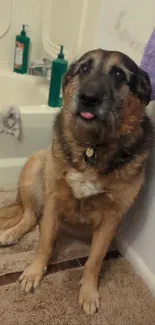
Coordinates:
[59,67]
[21,52]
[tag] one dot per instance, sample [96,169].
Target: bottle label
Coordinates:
[19,55]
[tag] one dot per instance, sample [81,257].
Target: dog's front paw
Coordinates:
[31,277]
[89,298]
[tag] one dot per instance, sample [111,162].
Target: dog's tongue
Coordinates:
[87,115]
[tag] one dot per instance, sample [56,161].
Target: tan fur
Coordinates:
[10,216]
[80,197]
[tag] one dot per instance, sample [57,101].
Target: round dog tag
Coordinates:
[89,152]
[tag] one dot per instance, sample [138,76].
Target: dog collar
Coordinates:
[90,155]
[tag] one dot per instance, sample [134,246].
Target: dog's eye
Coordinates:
[118,73]
[84,68]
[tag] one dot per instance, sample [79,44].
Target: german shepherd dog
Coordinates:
[94,170]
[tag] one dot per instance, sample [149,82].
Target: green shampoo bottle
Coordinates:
[59,67]
[21,52]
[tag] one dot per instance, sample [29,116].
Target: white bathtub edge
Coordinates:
[9,171]
[41,109]
[137,263]
[12,162]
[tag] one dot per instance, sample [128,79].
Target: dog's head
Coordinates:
[105,93]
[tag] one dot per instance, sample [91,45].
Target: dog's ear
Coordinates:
[143,88]
[69,74]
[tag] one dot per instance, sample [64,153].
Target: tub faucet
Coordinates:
[41,68]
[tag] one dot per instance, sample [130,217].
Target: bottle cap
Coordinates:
[61,54]
[23,32]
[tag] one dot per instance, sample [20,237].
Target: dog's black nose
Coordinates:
[89,99]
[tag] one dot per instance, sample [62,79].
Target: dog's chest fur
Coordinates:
[81,185]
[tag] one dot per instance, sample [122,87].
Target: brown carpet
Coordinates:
[125,300]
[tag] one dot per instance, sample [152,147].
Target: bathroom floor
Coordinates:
[125,300]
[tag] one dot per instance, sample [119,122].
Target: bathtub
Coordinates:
[30,94]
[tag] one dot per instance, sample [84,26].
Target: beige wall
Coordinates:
[23,11]
[126,25]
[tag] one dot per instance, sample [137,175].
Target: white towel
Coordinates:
[10,120]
